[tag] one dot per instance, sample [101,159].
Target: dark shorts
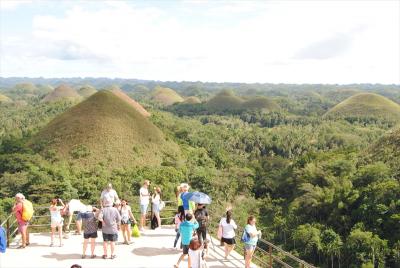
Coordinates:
[185,249]
[110,237]
[229,241]
[79,216]
[92,235]
[128,222]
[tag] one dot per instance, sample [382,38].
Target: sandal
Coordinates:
[93,256]
[113,256]
[176,266]
[20,247]
[104,256]
[83,257]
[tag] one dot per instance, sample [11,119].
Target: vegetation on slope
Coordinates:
[192,100]
[62,92]
[123,96]
[87,91]
[166,96]
[366,105]
[106,130]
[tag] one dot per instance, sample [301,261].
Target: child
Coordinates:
[56,219]
[179,218]
[186,230]
[196,254]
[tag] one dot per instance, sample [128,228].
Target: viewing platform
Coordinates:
[154,248]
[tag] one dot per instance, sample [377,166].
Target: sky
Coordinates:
[335,42]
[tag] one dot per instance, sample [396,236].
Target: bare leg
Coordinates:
[53,230]
[249,255]
[23,237]
[105,248]
[189,264]
[158,219]
[129,231]
[92,245]
[78,226]
[60,234]
[142,220]
[26,235]
[124,232]
[112,244]
[180,259]
[85,243]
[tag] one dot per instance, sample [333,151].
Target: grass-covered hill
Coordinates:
[122,95]
[27,88]
[62,92]
[166,96]
[366,105]
[4,99]
[260,103]
[192,100]
[106,130]
[87,91]
[225,100]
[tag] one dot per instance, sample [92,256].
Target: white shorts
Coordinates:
[57,223]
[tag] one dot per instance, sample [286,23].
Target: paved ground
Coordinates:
[152,249]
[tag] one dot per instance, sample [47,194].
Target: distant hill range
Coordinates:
[166,96]
[62,92]
[104,130]
[366,105]
[227,100]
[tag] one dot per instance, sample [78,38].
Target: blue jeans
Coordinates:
[178,234]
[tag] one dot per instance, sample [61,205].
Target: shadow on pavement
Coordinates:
[148,251]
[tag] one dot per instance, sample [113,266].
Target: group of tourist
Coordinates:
[191,222]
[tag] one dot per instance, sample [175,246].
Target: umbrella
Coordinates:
[199,198]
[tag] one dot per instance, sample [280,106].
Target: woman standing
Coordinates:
[179,218]
[228,226]
[126,219]
[56,219]
[252,239]
[156,200]
[90,226]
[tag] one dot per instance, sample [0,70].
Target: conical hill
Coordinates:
[87,91]
[262,103]
[225,100]
[106,130]
[166,96]
[366,105]
[62,92]
[122,95]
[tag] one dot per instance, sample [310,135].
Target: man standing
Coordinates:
[111,221]
[144,203]
[188,205]
[109,195]
[22,225]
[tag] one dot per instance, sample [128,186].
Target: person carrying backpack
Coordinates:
[23,215]
[201,216]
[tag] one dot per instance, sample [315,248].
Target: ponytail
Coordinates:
[228,216]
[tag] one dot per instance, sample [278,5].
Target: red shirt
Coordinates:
[18,213]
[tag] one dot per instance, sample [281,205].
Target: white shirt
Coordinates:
[228,229]
[196,260]
[144,197]
[109,196]
[156,199]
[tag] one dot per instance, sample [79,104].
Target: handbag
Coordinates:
[135,231]
[162,205]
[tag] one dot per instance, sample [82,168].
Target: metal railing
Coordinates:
[266,253]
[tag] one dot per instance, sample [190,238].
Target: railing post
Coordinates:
[8,232]
[270,256]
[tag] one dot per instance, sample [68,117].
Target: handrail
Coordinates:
[267,258]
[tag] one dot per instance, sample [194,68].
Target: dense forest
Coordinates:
[319,165]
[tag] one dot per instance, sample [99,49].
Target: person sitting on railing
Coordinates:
[179,218]
[90,226]
[251,236]
[126,219]
[56,219]
[22,224]
[187,228]
[228,226]
[109,195]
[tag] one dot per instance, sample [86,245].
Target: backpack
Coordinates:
[27,210]
[201,218]
[245,236]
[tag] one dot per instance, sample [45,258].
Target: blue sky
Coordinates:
[222,41]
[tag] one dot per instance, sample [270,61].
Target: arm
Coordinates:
[62,204]
[131,216]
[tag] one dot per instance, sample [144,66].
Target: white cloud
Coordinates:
[12,4]
[287,41]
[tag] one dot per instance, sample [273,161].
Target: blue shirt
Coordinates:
[186,229]
[251,229]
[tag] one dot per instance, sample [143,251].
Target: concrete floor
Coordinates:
[153,249]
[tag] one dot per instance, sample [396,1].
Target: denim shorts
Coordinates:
[250,247]
[110,237]
[143,208]
[156,207]
[79,216]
